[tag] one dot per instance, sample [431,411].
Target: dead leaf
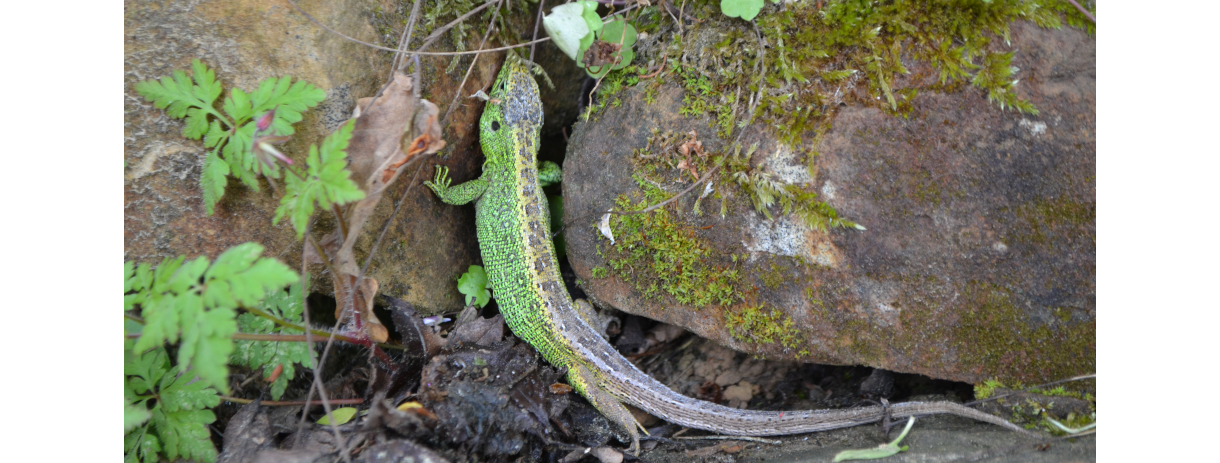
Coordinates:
[600,53]
[375,153]
[560,388]
[481,332]
[685,164]
[363,297]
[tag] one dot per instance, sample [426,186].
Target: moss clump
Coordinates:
[773,278]
[761,324]
[986,388]
[803,59]
[610,86]
[1044,217]
[997,334]
[659,257]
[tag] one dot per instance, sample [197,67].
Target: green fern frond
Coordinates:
[327,182]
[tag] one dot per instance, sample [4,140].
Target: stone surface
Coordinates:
[978,260]
[245,41]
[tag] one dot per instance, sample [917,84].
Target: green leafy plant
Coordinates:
[618,33]
[192,303]
[473,284]
[240,146]
[578,31]
[571,26]
[744,9]
[166,410]
[326,181]
[243,146]
[270,355]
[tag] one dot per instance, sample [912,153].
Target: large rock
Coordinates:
[245,41]
[978,260]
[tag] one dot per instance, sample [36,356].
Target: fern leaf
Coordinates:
[268,354]
[178,419]
[212,180]
[237,105]
[207,88]
[289,101]
[215,135]
[328,182]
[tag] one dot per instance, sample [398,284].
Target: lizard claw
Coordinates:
[440,181]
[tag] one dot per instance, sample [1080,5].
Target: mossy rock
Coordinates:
[978,260]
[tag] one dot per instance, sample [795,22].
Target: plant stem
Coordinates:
[288,403]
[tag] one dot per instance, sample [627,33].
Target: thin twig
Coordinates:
[436,35]
[373,250]
[651,208]
[458,94]
[1083,11]
[288,403]
[661,204]
[315,364]
[422,47]
[537,21]
[664,58]
[422,53]
[404,41]
[1031,388]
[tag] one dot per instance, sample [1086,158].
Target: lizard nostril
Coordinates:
[495,125]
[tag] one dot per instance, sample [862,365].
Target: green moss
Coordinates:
[658,256]
[773,278]
[804,58]
[1040,220]
[761,324]
[610,86]
[997,335]
[599,272]
[986,388]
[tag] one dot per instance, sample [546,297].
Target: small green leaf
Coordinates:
[473,284]
[206,87]
[590,15]
[881,451]
[744,9]
[342,415]
[555,204]
[620,32]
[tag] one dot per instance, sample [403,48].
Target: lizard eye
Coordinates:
[495,125]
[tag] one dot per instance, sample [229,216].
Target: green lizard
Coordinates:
[512,220]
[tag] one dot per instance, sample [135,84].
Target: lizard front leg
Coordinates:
[459,194]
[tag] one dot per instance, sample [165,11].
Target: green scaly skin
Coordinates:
[513,223]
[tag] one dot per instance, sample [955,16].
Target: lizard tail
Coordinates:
[629,384]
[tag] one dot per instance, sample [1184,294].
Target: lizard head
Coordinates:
[512,118]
